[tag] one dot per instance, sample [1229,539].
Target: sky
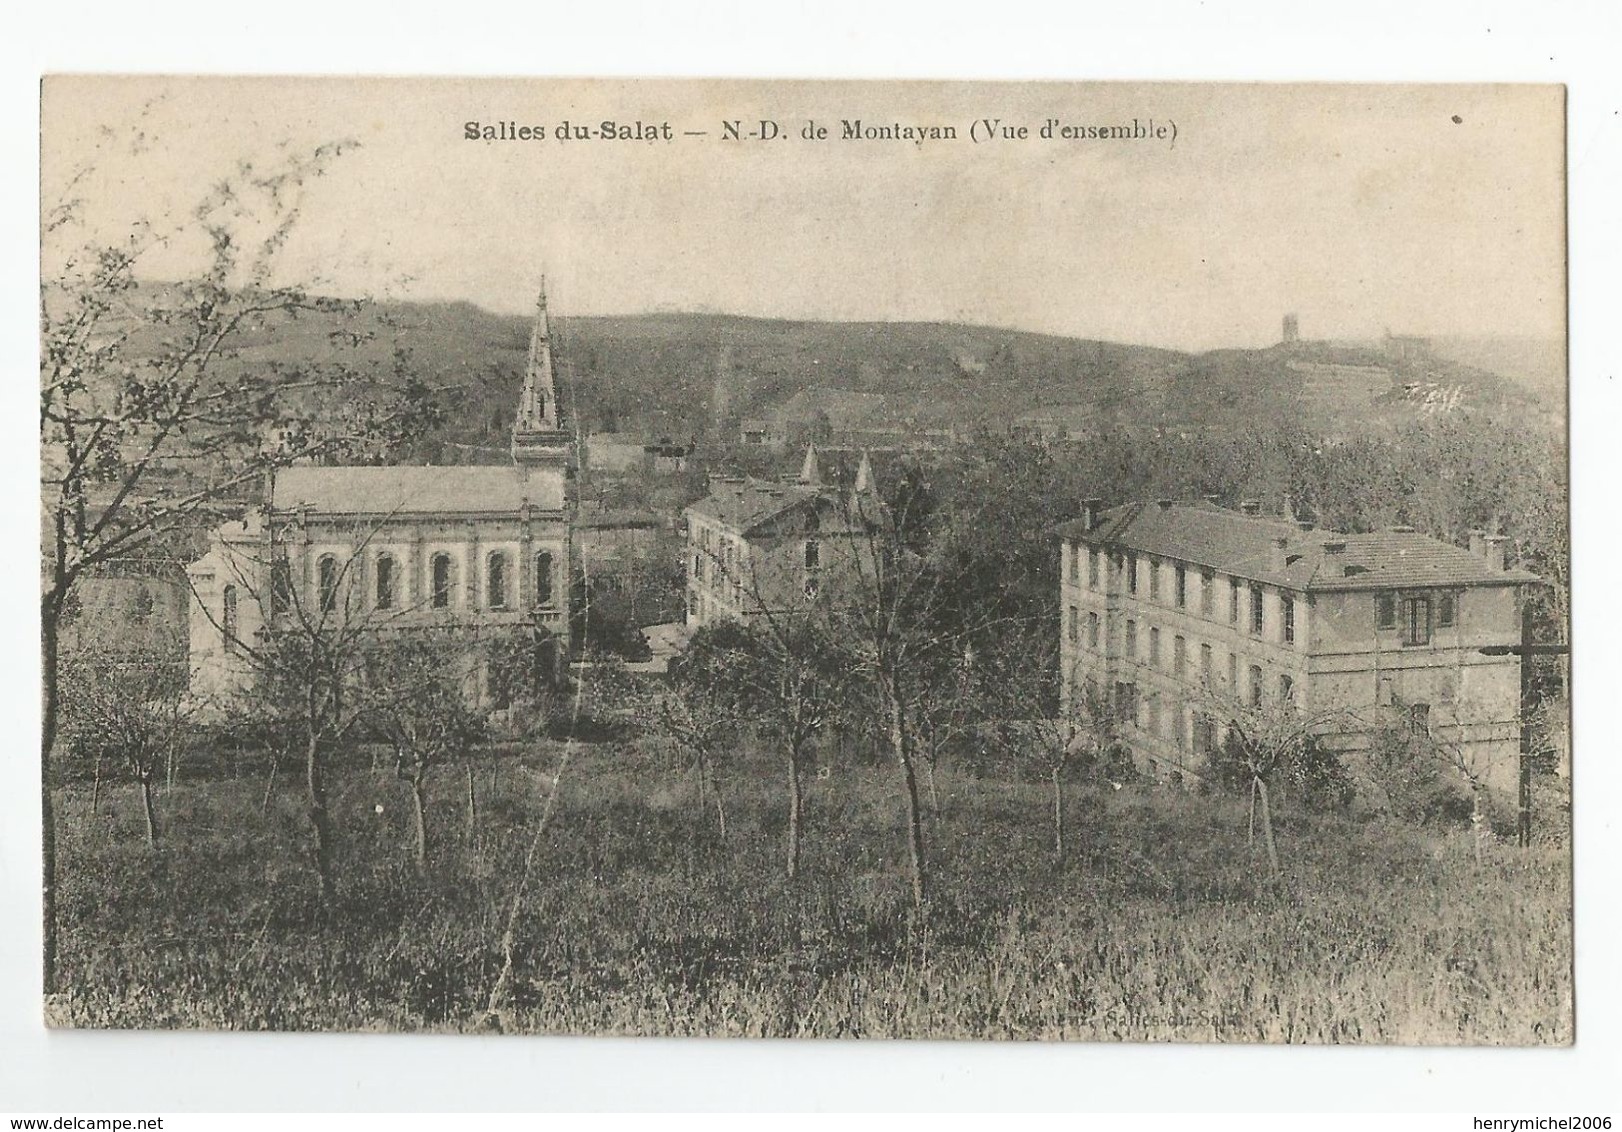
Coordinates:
[1432,210]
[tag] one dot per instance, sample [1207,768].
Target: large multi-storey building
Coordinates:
[475,550]
[757,547]
[1168,609]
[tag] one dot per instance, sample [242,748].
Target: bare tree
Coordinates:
[699,718]
[1262,741]
[148,420]
[309,662]
[906,616]
[129,707]
[1037,724]
[949,705]
[416,687]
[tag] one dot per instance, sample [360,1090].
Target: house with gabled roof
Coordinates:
[756,547]
[1167,607]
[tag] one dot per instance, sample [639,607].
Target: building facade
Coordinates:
[757,547]
[473,550]
[1170,609]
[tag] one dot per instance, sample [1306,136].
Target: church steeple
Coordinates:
[537,405]
[538,436]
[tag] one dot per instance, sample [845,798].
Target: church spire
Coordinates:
[538,403]
[538,436]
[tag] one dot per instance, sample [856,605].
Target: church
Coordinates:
[478,550]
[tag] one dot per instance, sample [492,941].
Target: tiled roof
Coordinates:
[745,505]
[1204,534]
[407,489]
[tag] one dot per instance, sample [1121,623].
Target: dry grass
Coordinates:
[640,922]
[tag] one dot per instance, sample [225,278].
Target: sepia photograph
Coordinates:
[1057,561]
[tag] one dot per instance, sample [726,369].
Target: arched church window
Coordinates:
[495,577]
[327,582]
[387,581]
[281,587]
[543,579]
[442,581]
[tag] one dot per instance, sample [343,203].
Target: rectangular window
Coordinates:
[1233,600]
[1092,569]
[1233,673]
[1154,579]
[1207,586]
[1416,621]
[1132,640]
[1446,611]
[1204,735]
[1289,620]
[1182,587]
[1179,655]
[1256,610]
[1073,551]
[1286,688]
[1385,611]
[1154,647]
[1154,714]
[1075,624]
[1126,700]
[1132,573]
[1255,685]
[1092,630]
[1205,665]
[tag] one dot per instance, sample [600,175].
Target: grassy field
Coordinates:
[639,920]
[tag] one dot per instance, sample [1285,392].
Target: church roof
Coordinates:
[408,489]
[1204,534]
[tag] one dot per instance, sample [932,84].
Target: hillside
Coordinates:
[696,376]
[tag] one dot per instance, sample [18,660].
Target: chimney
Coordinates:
[1251,507]
[1478,543]
[1277,555]
[1335,552]
[1497,552]
[1091,509]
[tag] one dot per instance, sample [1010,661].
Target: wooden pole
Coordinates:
[1523,826]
